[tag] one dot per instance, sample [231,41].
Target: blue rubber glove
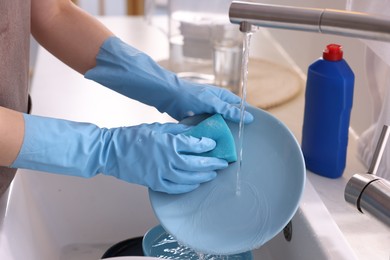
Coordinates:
[153,155]
[132,73]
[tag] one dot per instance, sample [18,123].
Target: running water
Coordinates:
[244,80]
[166,246]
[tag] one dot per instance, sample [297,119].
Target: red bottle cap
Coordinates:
[333,52]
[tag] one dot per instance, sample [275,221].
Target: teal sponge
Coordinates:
[216,128]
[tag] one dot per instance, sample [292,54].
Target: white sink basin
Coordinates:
[52,217]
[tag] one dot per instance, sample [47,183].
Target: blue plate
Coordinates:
[216,218]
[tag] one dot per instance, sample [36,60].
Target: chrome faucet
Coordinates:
[366,191]
[328,21]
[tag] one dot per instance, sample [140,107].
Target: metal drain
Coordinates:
[287,231]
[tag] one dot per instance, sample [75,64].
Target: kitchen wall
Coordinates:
[111,7]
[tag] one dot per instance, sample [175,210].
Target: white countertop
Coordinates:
[75,98]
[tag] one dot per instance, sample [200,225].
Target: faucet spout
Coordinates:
[327,21]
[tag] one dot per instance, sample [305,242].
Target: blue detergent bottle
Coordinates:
[328,104]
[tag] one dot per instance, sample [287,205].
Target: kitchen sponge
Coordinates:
[216,128]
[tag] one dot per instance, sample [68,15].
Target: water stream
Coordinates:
[166,246]
[244,80]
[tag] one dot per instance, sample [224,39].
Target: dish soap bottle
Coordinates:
[328,104]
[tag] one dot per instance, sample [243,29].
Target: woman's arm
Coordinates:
[11,135]
[68,32]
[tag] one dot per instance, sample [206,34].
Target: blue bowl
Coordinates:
[214,218]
